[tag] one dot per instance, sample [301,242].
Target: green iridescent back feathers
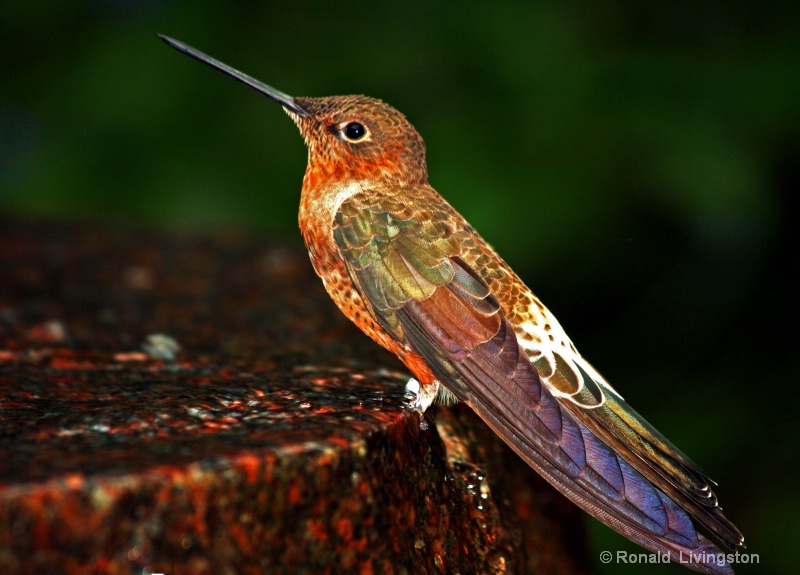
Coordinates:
[394,257]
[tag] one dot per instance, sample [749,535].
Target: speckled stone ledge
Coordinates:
[190,405]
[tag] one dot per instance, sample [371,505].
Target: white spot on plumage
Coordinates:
[541,346]
[326,205]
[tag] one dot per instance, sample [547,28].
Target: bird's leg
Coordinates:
[423,396]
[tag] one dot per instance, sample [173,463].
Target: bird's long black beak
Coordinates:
[284,100]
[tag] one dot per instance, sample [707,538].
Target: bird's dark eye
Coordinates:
[354,131]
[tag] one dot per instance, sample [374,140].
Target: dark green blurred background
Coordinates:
[637,163]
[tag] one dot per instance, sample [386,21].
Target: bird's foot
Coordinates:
[421,398]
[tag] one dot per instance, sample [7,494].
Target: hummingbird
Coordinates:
[418,279]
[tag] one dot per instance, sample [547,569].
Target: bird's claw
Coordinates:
[421,398]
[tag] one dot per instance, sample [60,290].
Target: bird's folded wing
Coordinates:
[654,456]
[427,297]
